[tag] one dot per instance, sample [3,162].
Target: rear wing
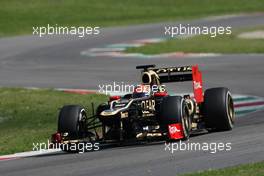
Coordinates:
[177,74]
[174,74]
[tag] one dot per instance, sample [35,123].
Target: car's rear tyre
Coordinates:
[72,120]
[174,110]
[218,109]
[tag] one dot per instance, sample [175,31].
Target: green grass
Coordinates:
[256,169]
[205,44]
[18,16]
[28,116]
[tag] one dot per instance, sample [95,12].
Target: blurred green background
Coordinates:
[18,16]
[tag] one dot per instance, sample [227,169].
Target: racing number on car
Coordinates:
[148,104]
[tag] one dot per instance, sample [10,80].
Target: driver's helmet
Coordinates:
[141,91]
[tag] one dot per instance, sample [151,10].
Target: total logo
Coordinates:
[173,129]
[197,85]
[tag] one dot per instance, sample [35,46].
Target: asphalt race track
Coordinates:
[55,62]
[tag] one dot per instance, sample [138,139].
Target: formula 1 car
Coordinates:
[152,114]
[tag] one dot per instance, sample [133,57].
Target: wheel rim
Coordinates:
[82,122]
[230,108]
[185,122]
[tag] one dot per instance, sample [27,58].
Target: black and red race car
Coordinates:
[152,114]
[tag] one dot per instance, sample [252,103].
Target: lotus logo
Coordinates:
[197,85]
[173,129]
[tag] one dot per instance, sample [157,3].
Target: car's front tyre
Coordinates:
[174,110]
[72,120]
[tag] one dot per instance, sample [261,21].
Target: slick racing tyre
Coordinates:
[174,110]
[72,120]
[218,109]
